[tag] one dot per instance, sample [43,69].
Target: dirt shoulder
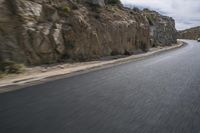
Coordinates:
[42,73]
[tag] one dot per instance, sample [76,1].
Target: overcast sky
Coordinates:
[185,12]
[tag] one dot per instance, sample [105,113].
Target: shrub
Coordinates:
[1,74]
[113,2]
[97,16]
[126,52]
[114,53]
[143,47]
[78,1]
[150,20]
[70,44]
[66,9]
[136,9]
[146,10]
[95,8]
[10,67]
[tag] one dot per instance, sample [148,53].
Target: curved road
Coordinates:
[160,94]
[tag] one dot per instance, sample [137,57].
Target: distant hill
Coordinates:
[192,33]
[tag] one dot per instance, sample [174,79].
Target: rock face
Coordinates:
[162,28]
[193,33]
[47,31]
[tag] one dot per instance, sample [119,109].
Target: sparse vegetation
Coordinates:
[1,74]
[136,9]
[143,47]
[126,52]
[10,67]
[70,44]
[150,20]
[66,8]
[114,53]
[95,8]
[113,2]
[146,10]
[78,1]
[97,16]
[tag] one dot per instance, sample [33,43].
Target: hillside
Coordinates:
[192,33]
[36,32]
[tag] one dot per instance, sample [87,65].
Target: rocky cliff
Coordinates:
[162,28]
[193,33]
[47,31]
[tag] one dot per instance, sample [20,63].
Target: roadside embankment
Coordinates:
[43,73]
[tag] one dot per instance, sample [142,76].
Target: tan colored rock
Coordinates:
[58,38]
[29,11]
[47,31]
[162,28]
[9,48]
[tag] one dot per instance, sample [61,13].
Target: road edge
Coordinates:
[20,84]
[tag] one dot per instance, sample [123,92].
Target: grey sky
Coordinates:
[185,12]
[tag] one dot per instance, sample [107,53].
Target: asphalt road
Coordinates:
[160,94]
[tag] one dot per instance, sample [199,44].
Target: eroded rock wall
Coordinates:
[162,28]
[47,31]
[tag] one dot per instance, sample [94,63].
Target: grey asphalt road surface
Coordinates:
[160,94]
